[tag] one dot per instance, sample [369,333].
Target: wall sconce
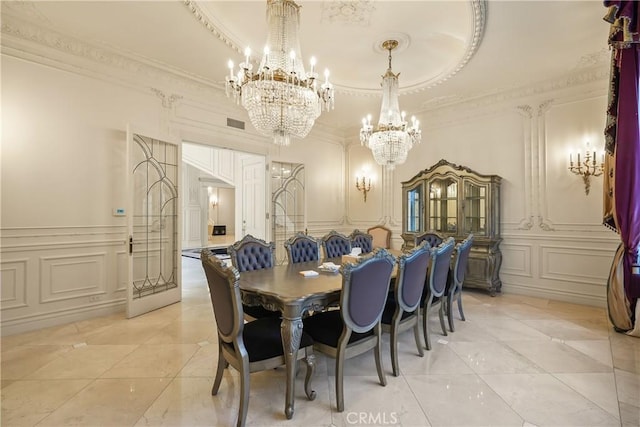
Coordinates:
[213,200]
[363,184]
[587,168]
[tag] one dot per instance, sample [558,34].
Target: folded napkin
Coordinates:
[309,273]
[329,266]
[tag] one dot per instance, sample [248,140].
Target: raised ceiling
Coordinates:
[449,50]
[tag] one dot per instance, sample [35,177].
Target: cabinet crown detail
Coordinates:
[451,200]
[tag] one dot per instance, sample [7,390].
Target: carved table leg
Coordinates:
[291,331]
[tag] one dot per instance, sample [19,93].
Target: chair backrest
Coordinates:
[302,248]
[225,297]
[461,258]
[335,244]
[251,254]
[412,276]
[365,285]
[381,236]
[432,238]
[362,240]
[440,263]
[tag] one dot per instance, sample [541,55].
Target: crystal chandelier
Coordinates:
[281,98]
[391,141]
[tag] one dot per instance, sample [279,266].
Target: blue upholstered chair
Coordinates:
[335,245]
[355,328]
[402,311]
[436,285]
[456,278]
[302,248]
[251,254]
[361,240]
[251,347]
[433,238]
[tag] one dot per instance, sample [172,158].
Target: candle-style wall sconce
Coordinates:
[363,184]
[586,167]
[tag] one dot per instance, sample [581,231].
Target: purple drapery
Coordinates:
[623,147]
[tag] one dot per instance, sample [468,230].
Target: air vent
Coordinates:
[235,123]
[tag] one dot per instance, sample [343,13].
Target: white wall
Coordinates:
[63,171]
[64,114]
[553,242]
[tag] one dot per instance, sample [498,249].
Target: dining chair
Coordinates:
[335,245]
[362,240]
[381,236]
[402,310]
[248,347]
[302,248]
[355,327]
[248,254]
[432,237]
[456,278]
[437,284]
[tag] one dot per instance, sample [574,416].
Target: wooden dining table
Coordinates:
[283,288]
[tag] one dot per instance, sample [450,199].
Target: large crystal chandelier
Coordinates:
[281,98]
[392,139]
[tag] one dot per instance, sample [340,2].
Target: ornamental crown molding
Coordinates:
[357,13]
[579,77]
[48,45]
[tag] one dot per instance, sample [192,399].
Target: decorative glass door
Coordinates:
[414,209]
[443,205]
[288,204]
[153,223]
[475,208]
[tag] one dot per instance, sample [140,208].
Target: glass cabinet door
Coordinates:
[414,209]
[475,208]
[443,205]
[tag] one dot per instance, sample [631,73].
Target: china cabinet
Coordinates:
[453,200]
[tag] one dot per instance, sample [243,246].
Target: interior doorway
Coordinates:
[223,196]
[220,230]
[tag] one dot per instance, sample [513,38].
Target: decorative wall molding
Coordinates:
[497,99]
[526,111]
[558,252]
[67,277]
[167,101]
[99,61]
[520,251]
[358,13]
[13,275]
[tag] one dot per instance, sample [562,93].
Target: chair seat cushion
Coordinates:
[258,312]
[389,309]
[262,339]
[326,328]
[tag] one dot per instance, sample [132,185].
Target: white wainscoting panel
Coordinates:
[71,276]
[575,264]
[122,275]
[516,259]
[13,283]
[55,275]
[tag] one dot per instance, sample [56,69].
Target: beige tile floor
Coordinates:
[516,361]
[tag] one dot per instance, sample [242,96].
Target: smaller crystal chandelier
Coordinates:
[281,98]
[391,141]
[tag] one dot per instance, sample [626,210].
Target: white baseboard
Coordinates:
[47,320]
